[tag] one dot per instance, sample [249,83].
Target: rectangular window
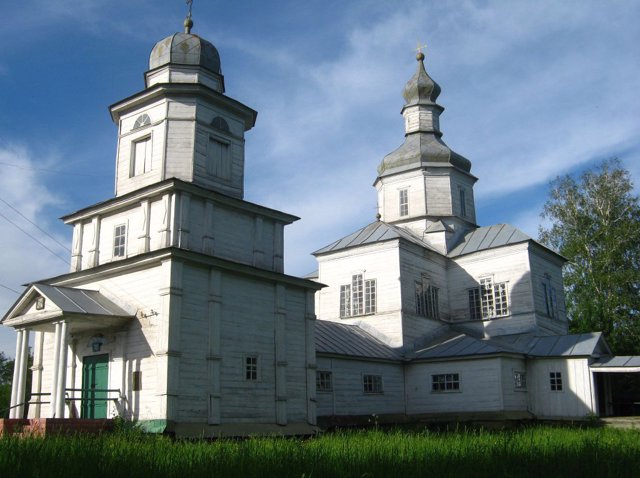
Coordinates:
[445,382]
[372,384]
[251,368]
[463,203]
[427,299]
[120,241]
[324,382]
[488,301]
[218,161]
[359,297]
[345,301]
[141,162]
[520,380]
[555,381]
[550,303]
[404,202]
[370,296]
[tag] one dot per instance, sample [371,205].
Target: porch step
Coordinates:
[47,426]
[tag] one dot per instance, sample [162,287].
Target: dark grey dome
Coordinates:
[185,49]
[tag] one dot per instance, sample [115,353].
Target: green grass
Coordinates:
[531,452]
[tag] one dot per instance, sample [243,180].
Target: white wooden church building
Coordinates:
[177,314]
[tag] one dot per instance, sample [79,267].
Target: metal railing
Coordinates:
[68,399]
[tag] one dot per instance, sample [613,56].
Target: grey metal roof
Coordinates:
[378,231]
[80,301]
[489,237]
[351,340]
[456,345]
[617,361]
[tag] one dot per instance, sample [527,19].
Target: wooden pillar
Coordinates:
[310,348]
[144,239]
[165,230]
[35,410]
[76,253]
[56,356]
[62,370]
[15,384]
[278,247]
[207,238]
[94,250]
[258,246]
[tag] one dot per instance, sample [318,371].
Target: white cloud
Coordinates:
[23,260]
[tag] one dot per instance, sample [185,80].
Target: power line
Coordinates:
[55,171]
[35,239]
[39,228]
[9,288]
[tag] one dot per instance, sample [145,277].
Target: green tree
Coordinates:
[594,221]
[6,375]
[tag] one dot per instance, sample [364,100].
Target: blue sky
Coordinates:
[532,90]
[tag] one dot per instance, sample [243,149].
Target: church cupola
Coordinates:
[424,185]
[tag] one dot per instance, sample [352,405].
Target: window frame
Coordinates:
[520,380]
[463,201]
[324,381]
[372,384]
[427,299]
[403,202]
[489,300]
[224,168]
[116,245]
[358,298]
[251,371]
[556,383]
[448,378]
[550,298]
[134,164]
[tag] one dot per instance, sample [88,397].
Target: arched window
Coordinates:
[142,120]
[220,123]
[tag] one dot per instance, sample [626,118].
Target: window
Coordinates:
[555,381]
[141,162]
[218,162]
[120,241]
[404,202]
[359,297]
[220,123]
[372,383]
[40,303]
[142,120]
[550,303]
[489,300]
[520,380]
[251,368]
[324,381]
[427,299]
[445,382]
[463,202]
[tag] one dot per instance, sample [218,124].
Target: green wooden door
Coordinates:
[95,381]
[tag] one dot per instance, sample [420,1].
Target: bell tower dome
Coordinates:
[424,185]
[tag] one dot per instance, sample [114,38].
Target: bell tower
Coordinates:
[182,125]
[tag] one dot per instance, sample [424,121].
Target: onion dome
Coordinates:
[421,89]
[185,49]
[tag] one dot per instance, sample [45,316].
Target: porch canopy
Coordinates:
[61,311]
[617,364]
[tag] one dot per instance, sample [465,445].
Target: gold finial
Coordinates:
[188,23]
[420,55]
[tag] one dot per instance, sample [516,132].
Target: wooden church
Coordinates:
[177,314]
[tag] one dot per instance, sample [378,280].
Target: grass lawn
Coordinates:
[538,452]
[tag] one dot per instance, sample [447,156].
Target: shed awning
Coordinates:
[617,364]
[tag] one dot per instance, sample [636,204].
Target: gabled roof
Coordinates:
[351,340]
[378,231]
[489,237]
[63,300]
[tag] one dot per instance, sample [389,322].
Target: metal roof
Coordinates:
[456,345]
[352,341]
[489,237]
[378,231]
[620,361]
[80,301]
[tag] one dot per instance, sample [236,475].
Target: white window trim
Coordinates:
[550,297]
[327,390]
[515,381]
[494,286]
[132,156]
[405,203]
[126,241]
[351,305]
[425,284]
[229,145]
[558,375]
